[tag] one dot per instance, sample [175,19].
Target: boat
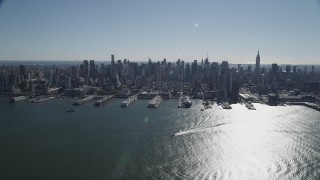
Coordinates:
[155,102]
[128,101]
[187,102]
[70,110]
[173,135]
[226,105]
[249,105]
[206,103]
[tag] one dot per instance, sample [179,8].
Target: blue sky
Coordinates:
[285,31]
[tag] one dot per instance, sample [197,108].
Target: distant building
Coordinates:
[288,69]
[23,70]
[85,70]
[92,68]
[294,69]
[257,70]
[112,64]
[274,69]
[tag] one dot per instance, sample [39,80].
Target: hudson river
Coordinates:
[43,141]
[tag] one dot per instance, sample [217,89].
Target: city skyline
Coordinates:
[284,32]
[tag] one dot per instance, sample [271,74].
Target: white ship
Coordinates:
[155,102]
[129,101]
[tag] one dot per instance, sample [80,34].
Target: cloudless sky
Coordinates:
[285,31]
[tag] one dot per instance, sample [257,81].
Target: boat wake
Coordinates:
[199,129]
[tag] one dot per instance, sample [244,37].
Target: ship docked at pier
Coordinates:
[155,102]
[129,101]
[18,98]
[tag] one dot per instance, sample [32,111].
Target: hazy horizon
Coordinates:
[47,62]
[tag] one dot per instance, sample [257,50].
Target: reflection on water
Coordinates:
[135,142]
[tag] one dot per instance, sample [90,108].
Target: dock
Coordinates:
[39,100]
[129,101]
[104,100]
[155,102]
[308,104]
[83,101]
[18,98]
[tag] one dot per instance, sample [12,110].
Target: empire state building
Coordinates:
[257,70]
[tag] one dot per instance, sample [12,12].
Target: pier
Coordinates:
[155,102]
[18,98]
[83,101]
[308,104]
[39,100]
[104,100]
[129,101]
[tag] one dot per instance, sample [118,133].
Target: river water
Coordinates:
[43,141]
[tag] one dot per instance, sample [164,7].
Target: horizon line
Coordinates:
[155,61]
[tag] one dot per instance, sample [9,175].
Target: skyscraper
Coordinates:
[288,69]
[85,70]
[257,70]
[112,64]
[274,69]
[92,68]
